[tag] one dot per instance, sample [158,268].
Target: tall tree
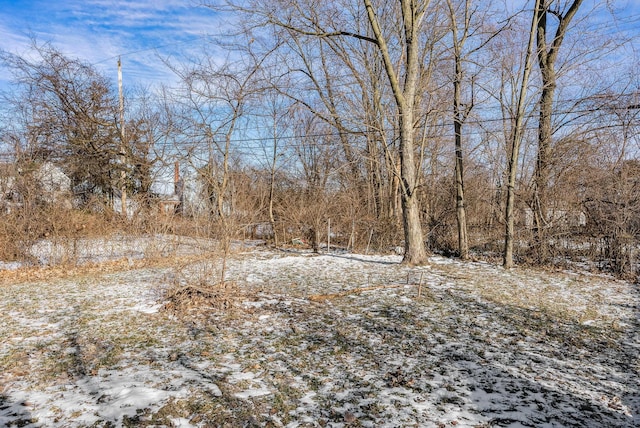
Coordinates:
[145,135]
[469,26]
[547,50]
[402,67]
[460,114]
[215,98]
[404,92]
[516,135]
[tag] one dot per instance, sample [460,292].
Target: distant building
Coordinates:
[169,204]
[55,185]
[556,217]
[46,183]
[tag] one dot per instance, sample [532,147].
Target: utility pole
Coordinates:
[123,157]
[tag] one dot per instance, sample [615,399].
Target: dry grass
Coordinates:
[197,299]
[72,270]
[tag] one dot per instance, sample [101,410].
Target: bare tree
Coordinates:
[401,62]
[609,182]
[317,158]
[146,142]
[404,91]
[71,117]
[214,99]
[465,24]
[278,120]
[460,114]
[547,52]
[516,136]
[347,78]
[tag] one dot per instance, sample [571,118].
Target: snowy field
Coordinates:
[338,340]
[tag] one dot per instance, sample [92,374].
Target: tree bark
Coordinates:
[547,56]
[461,215]
[516,140]
[414,249]
[272,184]
[460,114]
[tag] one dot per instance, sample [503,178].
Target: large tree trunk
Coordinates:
[460,114]
[412,14]
[414,248]
[547,56]
[461,215]
[540,201]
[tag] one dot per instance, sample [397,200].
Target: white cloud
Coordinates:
[98,31]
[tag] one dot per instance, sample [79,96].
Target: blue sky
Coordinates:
[98,31]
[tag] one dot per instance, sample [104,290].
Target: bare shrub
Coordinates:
[202,287]
[32,220]
[194,299]
[384,233]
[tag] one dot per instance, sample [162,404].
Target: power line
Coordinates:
[360,133]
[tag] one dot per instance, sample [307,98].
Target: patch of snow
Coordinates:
[147,308]
[251,393]
[181,423]
[10,265]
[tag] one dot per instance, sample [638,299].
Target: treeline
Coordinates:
[436,126]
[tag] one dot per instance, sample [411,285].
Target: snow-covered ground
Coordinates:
[93,250]
[322,340]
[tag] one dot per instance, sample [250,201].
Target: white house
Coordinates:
[55,185]
[47,183]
